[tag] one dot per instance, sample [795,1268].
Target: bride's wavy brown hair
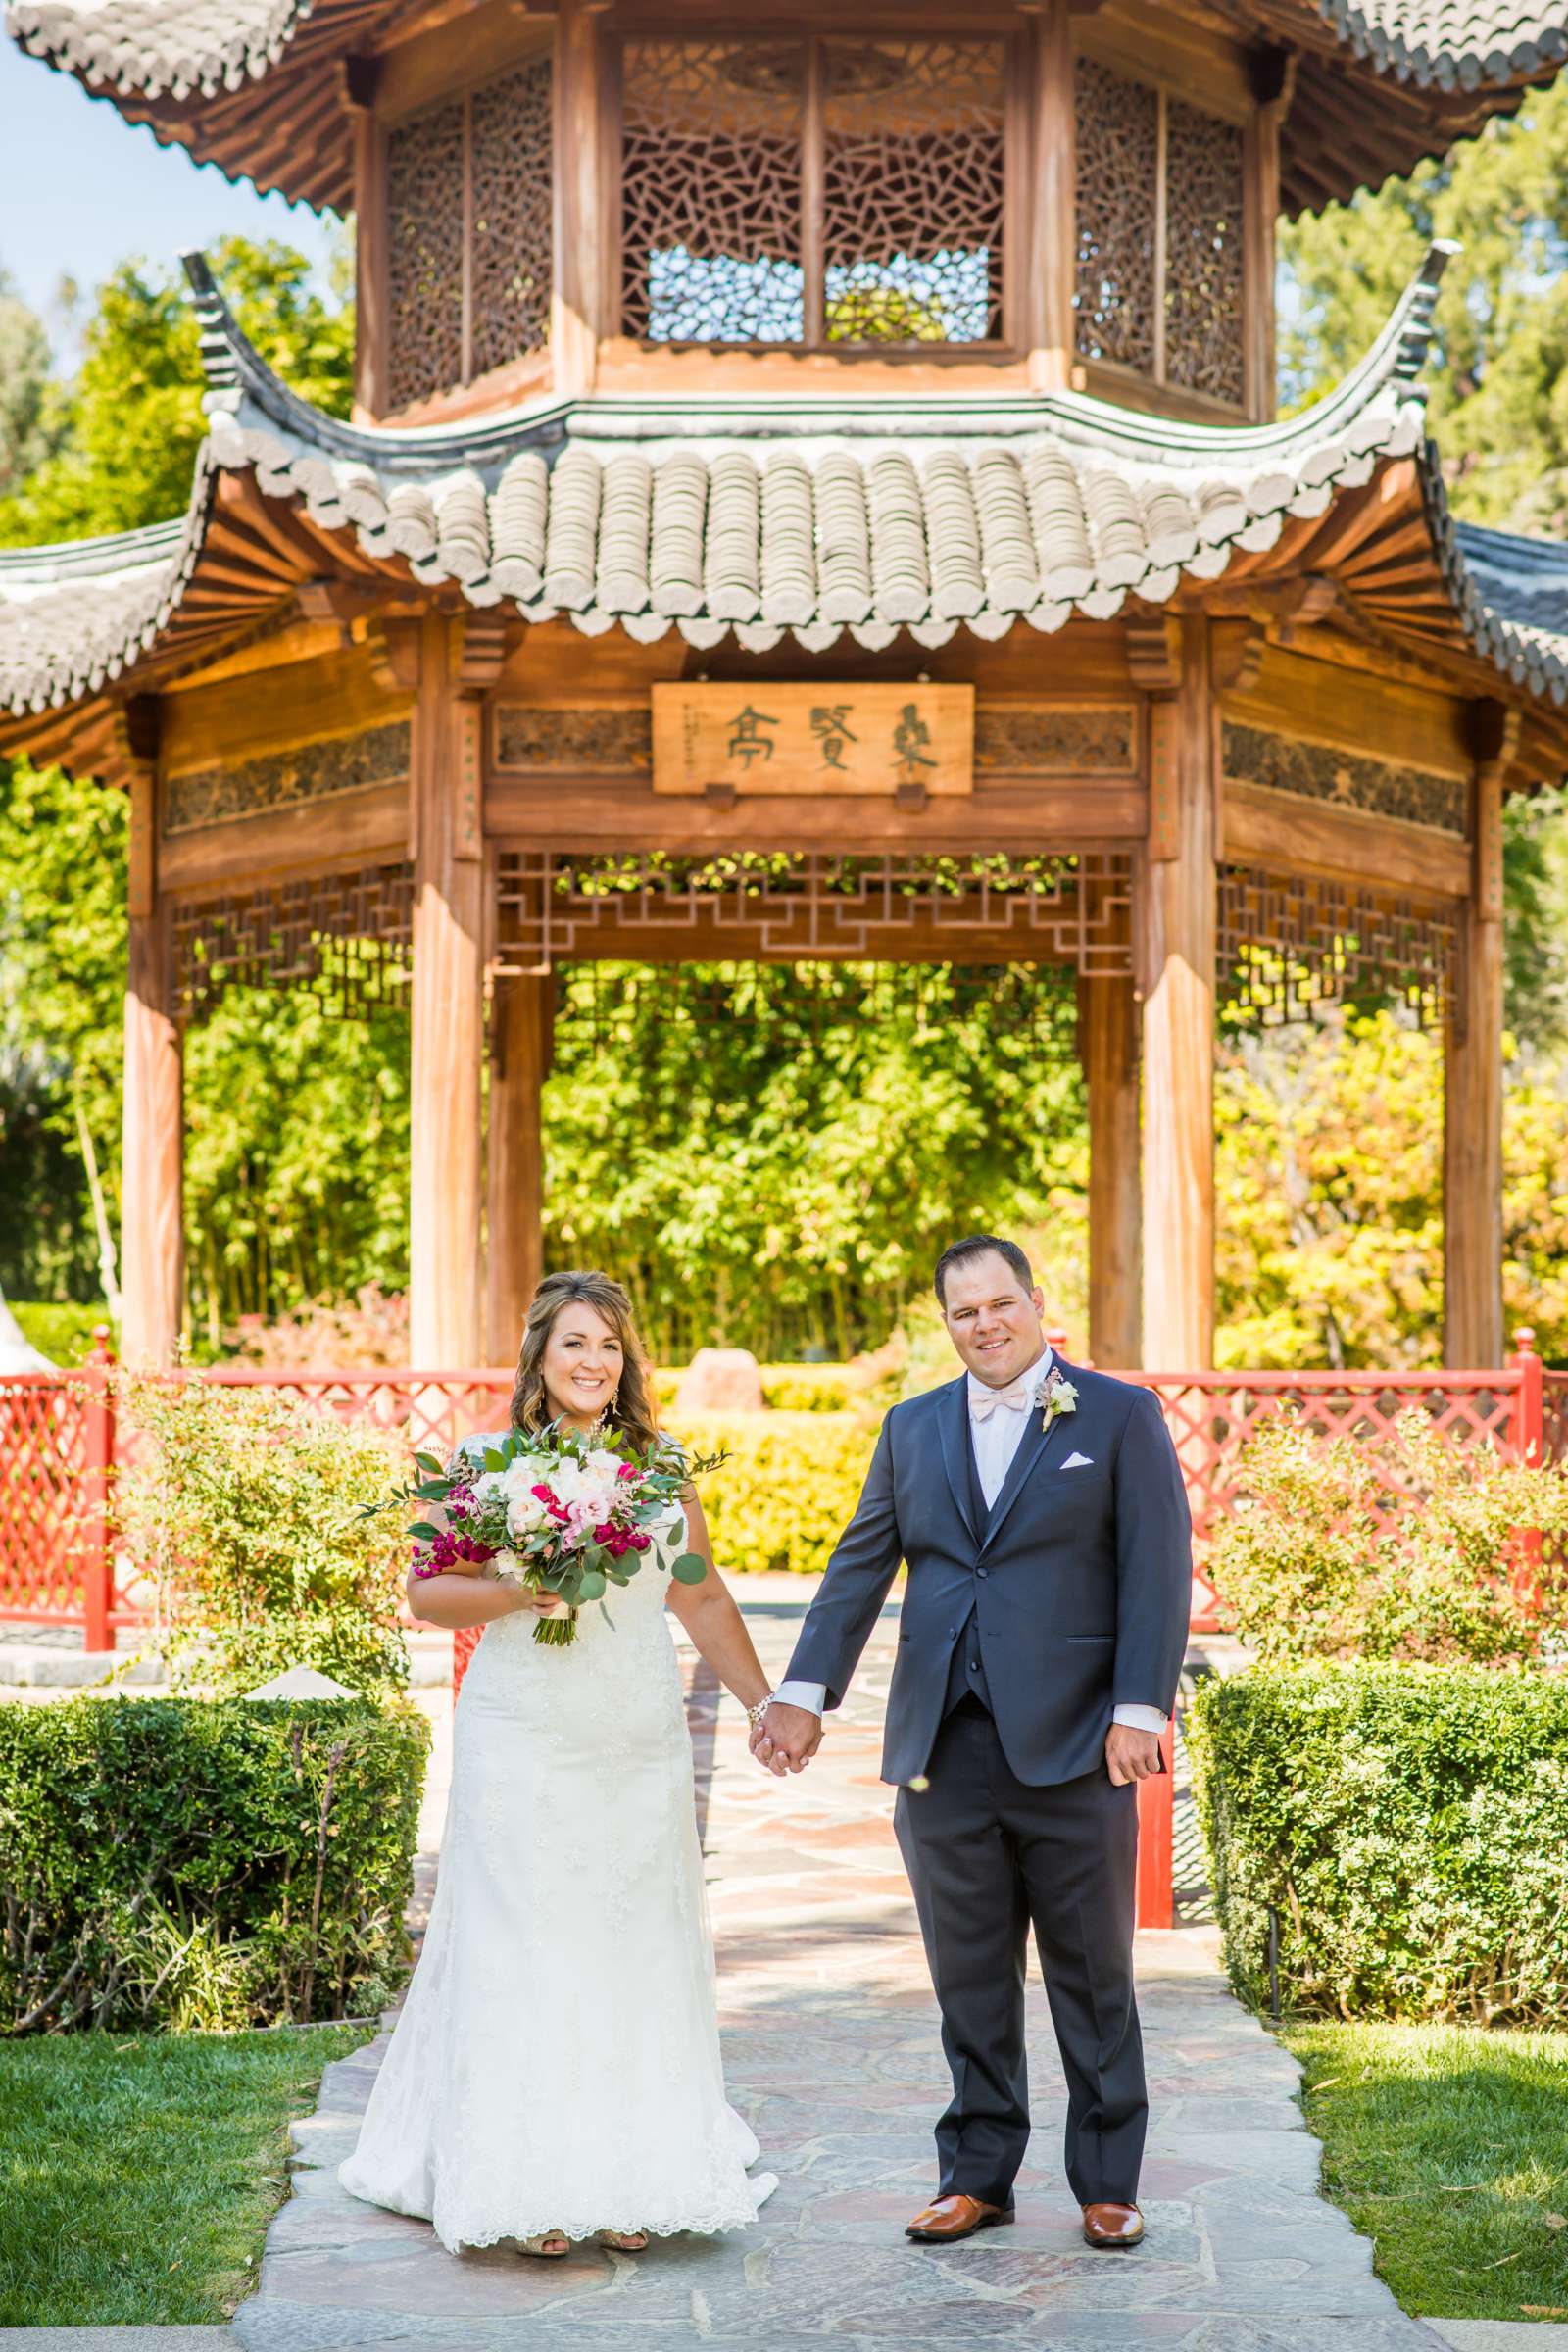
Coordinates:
[632,1412]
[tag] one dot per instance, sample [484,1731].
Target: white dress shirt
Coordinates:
[995,1441]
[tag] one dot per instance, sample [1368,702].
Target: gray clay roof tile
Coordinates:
[804,520]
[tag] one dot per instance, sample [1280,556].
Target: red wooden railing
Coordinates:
[59,1440]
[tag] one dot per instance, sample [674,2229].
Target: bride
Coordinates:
[555,2072]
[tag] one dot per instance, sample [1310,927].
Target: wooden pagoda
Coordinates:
[812,494]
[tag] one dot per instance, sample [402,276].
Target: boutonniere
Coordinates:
[1060,1398]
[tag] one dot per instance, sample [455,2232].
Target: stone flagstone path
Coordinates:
[831,2052]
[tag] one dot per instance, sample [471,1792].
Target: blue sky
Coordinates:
[80,190]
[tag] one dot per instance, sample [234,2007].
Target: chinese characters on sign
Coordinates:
[901,741]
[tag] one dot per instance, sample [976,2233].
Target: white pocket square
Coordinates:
[1079,1462]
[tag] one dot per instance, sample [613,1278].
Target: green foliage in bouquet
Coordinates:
[246,1506]
[191,1863]
[1405,1825]
[1410,1549]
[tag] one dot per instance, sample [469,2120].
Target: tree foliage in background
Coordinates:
[785,1178]
[26,428]
[1499,376]
[129,425]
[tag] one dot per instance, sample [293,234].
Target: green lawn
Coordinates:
[62,1332]
[1449,2146]
[139,2173]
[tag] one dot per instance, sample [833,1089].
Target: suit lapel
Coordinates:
[1033,1446]
[953,1422]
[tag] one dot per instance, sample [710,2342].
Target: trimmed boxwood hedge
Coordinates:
[1406,1823]
[179,1862]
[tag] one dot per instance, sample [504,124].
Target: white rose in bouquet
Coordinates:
[524,1514]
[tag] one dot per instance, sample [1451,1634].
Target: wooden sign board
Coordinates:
[756,739]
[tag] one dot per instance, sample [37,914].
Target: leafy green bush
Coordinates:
[789,1487]
[182,1863]
[244,1505]
[1406,1824]
[1408,1549]
[61,1330]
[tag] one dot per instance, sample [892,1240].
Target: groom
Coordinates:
[1041,1514]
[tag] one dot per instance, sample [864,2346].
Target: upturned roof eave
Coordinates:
[1160,508]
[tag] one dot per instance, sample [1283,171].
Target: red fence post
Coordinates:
[465,1642]
[1156,1799]
[1529,1446]
[96,1546]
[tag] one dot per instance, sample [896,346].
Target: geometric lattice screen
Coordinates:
[1288,943]
[895,237]
[1160,223]
[469,199]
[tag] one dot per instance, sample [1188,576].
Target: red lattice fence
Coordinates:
[57,1442]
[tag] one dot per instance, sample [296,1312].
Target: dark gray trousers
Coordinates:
[987,1855]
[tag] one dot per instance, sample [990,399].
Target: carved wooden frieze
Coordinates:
[530,741]
[1009,740]
[1317,771]
[309,771]
[1012,740]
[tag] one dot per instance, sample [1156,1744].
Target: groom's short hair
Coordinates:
[975,1244]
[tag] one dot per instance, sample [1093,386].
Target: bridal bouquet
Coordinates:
[562,1510]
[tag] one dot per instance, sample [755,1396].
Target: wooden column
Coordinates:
[1108,1015]
[1177,912]
[152,1131]
[446,1144]
[521,1021]
[1472,1095]
[585,253]
[358,77]
[1048,335]
[1273,75]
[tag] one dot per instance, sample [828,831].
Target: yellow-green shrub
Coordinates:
[810,1388]
[789,1487]
[786,1387]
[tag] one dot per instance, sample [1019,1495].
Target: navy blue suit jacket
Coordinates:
[1080,1580]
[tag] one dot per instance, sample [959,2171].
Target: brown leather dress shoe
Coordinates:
[947,2217]
[1112,2225]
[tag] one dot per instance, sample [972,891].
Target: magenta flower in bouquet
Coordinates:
[562,1510]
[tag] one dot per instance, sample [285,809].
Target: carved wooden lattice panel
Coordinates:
[914,186]
[509,129]
[1203,227]
[345,938]
[1117,181]
[711,191]
[1290,942]
[425,159]
[779,907]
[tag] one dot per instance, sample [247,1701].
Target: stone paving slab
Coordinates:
[1503,2335]
[831,2052]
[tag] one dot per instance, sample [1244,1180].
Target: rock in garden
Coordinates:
[720,1380]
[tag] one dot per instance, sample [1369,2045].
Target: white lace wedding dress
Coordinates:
[555,2063]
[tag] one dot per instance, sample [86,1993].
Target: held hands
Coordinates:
[1131,1754]
[787,1738]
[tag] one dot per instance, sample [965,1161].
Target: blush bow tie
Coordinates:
[1018,1397]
